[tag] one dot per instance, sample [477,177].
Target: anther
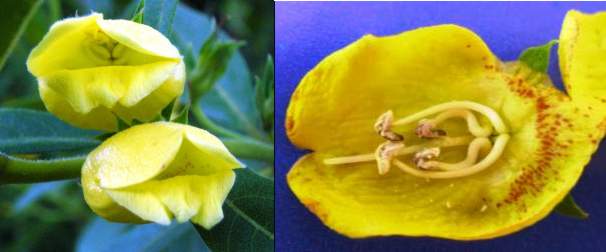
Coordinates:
[425,129]
[385,153]
[420,158]
[383,127]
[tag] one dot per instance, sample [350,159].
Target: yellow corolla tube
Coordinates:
[92,71]
[159,171]
[428,133]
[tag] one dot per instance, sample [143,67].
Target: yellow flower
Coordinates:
[92,70]
[153,172]
[427,133]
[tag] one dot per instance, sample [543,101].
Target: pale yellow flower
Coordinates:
[91,71]
[154,172]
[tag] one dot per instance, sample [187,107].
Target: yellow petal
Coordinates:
[98,200]
[194,197]
[333,110]
[148,108]
[582,52]
[404,73]
[62,47]
[86,89]
[98,118]
[135,155]
[140,37]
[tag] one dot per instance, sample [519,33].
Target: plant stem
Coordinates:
[209,125]
[240,145]
[250,148]
[16,170]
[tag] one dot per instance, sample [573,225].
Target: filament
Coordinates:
[490,159]
[492,116]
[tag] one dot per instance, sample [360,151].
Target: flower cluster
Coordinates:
[95,73]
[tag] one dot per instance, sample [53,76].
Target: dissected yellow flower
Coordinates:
[427,133]
[153,172]
[91,70]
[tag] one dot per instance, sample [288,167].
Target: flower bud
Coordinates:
[154,172]
[91,71]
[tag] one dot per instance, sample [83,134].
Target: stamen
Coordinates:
[383,127]
[385,153]
[473,151]
[490,159]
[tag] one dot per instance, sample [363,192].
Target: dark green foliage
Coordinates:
[249,217]
[568,207]
[15,16]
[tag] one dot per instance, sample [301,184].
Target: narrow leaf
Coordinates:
[183,116]
[15,17]
[264,94]
[568,207]
[537,58]
[138,15]
[248,224]
[168,110]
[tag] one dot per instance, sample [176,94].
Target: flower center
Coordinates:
[485,143]
[105,49]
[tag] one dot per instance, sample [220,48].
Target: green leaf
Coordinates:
[104,236]
[537,58]
[183,116]
[229,102]
[248,224]
[264,94]
[138,15]
[168,110]
[159,14]
[30,131]
[212,63]
[15,16]
[568,207]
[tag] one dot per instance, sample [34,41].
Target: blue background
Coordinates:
[307,32]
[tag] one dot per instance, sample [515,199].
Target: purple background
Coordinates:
[307,32]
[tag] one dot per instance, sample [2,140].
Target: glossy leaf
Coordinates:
[248,224]
[30,131]
[15,17]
